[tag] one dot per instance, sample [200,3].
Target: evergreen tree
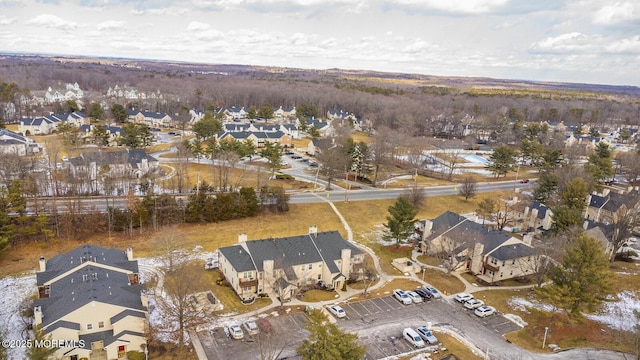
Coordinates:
[100,135]
[95,111]
[273,153]
[599,165]
[119,113]
[501,160]
[581,283]
[207,126]
[400,222]
[265,112]
[327,342]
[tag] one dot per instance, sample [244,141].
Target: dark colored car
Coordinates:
[524,181]
[424,293]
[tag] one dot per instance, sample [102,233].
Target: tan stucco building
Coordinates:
[92,298]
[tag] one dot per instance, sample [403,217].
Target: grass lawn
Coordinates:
[300,143]
[158,147]
[229,299]
[447,284]
[317,295]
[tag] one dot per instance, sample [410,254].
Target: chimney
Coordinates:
[313,229]
[605,192]
[242,237]
[43,264]
[527,238]
[37,315]
[585,225]
[129,254]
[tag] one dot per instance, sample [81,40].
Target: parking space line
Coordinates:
[353,308]
[376,305]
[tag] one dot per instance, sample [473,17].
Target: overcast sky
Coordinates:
[587,41]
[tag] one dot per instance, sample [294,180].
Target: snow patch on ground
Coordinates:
[619,314]
[521,304]
[12,325]
[516,319]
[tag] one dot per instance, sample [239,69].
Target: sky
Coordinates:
[583,41]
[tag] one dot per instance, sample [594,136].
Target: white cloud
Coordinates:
[628,45]
[52,21]
[417,47]
[110,25]
[457,6]
[617,13]
[210,34]
[569,42]
[6,21]
[197,26]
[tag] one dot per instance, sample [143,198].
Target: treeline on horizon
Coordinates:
[403,104]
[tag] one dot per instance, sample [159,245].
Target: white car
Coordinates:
[236,332]
[484,311]
[337,311]
[402,296]
[435,293]
[414,296]
[251,327]
[463,297]
[473,304]
[427,335]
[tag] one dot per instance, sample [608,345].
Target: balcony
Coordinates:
[248,282]
[491,267]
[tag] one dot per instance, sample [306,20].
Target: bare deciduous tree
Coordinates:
[468,189]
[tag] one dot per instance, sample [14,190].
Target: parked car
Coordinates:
[463,297]
[484,311]
[337,311]
[427,335]
[412,337]
[288,152]
[473,304]
[251,327]
[524,181]
[425,294]
[402,296]
[414,296]
[264,325]
[313,164]
[435,293]
[236,332]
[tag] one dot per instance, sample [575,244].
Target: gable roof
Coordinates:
[542,209]
[289,251]
[130,156]
[512,251]
[466,232]
[84,281]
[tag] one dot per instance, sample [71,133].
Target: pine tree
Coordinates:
[327,342]
[581,283]
[400,222]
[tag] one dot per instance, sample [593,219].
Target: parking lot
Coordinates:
[378,322]
[288,332]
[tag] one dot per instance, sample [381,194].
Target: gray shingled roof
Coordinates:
[289,251]
[131,156]
[107,337]
[238,257]
[466,232]
[65,262]
[91,282]
[512,251]
[542,209]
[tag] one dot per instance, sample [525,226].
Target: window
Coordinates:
[310,266]
[100,324]
[89,326]
[513,262]
[494,261]
[320,265]
[319,276]
[247,275]
[247,288]
[260,276]
[85,277]
[503,263]
[501,273]
[511,274]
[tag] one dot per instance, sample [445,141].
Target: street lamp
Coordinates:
[544,341]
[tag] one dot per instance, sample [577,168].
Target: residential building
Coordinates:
[490,255]
[282,266]
[607,206]
[149,118]
[130,163]
[47,124]
[13,143]
[92,298]
[537,216]
[259,138]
